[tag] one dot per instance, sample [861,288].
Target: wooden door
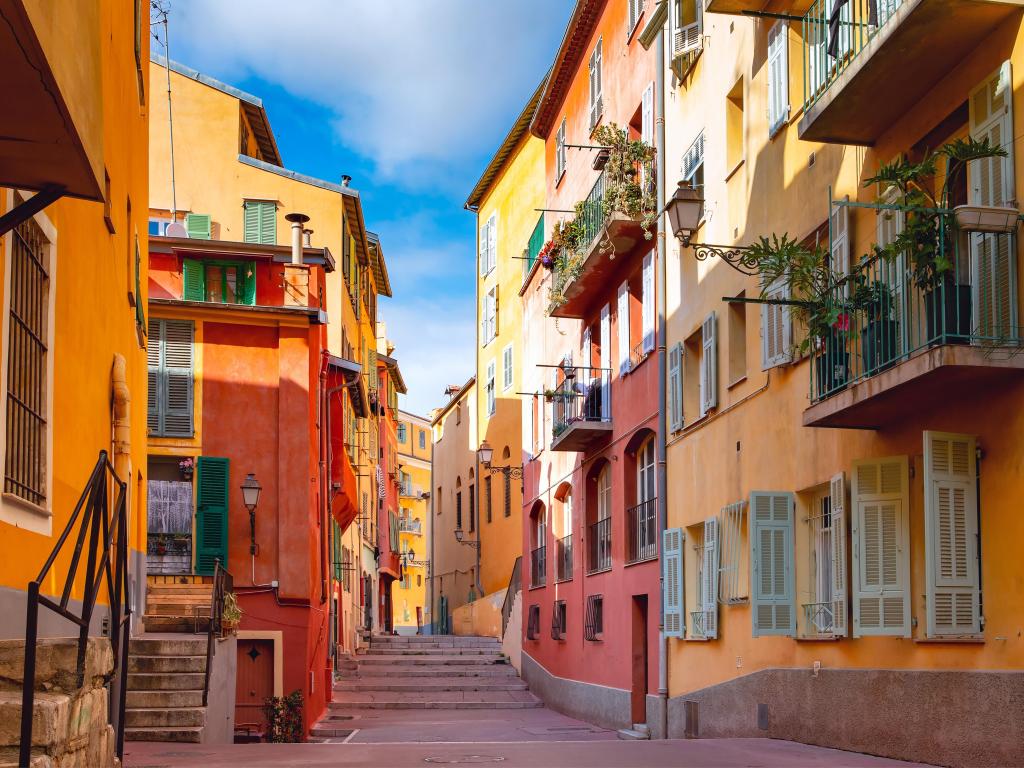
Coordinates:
[638,694]
[255,684]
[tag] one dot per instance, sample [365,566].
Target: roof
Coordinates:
[519,129]
[457,397]
[570,54]
[393,369]
[279,253]
[252,105]
[353,382]
[380,268]
[414,417]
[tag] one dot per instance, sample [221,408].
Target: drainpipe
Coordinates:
[121,400]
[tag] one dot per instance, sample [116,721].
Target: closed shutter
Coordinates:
[776,329]
[771,557]
[484,247]
[881,547]
[672,556]
[596,99]
[708,365]
[492,242]
[248,275]
[606,361]
[193,280]
[560,149]
[268,223]
[993,262]
[709,579]
[951,534]
[260,222]
[839,229]
[675,388]
[622,320]
[647,314]
[251,222]
[211,513]
[506,366]
[154,395]
[647,115]
[837,511]
[198,225]
[178,378]
[778,76]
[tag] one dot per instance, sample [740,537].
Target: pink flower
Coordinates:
[842,322]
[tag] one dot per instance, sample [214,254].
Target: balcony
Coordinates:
[410,526]
[733,7]
[599,546]
[538,567]
[642,532]
[881,69]
[563,559]
[921,345]
[581,409]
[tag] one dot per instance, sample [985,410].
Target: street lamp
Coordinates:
[685,210]
[484,455]
[460,537]
[251,497]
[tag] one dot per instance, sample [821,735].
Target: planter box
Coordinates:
[986,218]
[948,314]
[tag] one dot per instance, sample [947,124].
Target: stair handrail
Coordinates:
[223,583]
[107,529]
[515,584]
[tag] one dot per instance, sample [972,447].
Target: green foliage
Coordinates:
[232,612]
[284,718]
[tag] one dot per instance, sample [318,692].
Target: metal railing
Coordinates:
[642,531]
[697,623]
[410,526]
[102,517]
[515,585]
[599,546]
[584,395]
[820,617]
[223,583]
[973,302]
[859,21]
[563,558]
[538,567]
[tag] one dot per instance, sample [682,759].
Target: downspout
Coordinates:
[476,417]
[121,400]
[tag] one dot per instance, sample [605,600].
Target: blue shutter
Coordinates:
[672,563]
[771,559]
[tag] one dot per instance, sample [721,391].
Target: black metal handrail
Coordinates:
[223,583]
[107,530]
[599,546]
[515,584]
[642,531]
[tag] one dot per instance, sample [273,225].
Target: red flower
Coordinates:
[842,322]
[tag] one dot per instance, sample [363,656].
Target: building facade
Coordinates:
[411,606]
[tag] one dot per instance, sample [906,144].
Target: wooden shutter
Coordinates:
[672,557]
[596,102]
[839,229]
[251,221]
[268,223]
[675,388]
[606,361]
[708,365]
[686,26]
[622,320]
[771,558]
[492,242]
[193,280]
[211,513]
[837,511]
[951,534]
[647,313]
[247,273]
[647,115]
[776,330]
[153,389]
[484,247]
[506,367]
[778,76]
[198,225]
[709,578]
[177,360]
[881,544]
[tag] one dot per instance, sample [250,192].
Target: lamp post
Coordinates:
[460,537]
[685,210]
[485,453]
[251,497]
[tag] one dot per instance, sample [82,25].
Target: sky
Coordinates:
[409,97]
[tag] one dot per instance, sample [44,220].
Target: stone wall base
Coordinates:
[597,704]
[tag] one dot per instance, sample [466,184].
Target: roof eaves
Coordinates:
[380,267]
[454,399]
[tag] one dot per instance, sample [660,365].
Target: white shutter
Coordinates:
[492,242]
[647,314]
[506,363]
[606,360]
[776,329]
[596,105]
[709,365]
[709,578]
[484,247]
[839,229]
[560,149]
[490,387]
[991,182]
[889,224]
[771,559]
[881,547]
[837,498]
[951,534]
[778,76]
[672,557]
[675,388]
[622,320]
[686,18]
[647,115]
[586,354]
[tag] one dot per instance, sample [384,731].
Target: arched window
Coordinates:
[645,476]
[604,493]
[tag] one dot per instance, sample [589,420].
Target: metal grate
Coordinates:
[533,623]
[599,546]
[558,620]
[538,567]
[594,626]
[642,531]
[563,559]
[732,586]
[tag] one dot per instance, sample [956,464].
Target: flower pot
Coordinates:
[879,345]
[831,366]
[186,474]
[229,627]
[948,313]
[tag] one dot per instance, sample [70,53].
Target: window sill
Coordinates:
[689,639]
[599,571]
[736,382]
[534,587]
[563,581]
[817,638]
[735,168]
[952,640]
[558,179]
[631,563]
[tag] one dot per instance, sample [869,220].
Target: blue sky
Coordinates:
[410,98]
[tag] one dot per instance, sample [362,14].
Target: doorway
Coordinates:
[255,684]
[638,693]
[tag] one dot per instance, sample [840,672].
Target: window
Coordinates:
[622,323]
[686,26]
[402,432]
[506,368]
[490,384]
[472,507]
[778,77]
[560,150]
[533,623]
[732,560]
[438,497]
[346,569]
[636,7]
[645,475]
[458,509]
[734,144]
[736,314]
[170,360]
[596,98]
[693,162]
[489,327]
[423,439]
[488,498]
[647,304]
[558,620]
[839,230]
[29,363]
[594,626]
[198,225]
[489,245]
[702,581]
[260,222]
[508,494]
[700,369]
[219,282]
[771,556]
[675,388]
[776,328]
[825,588]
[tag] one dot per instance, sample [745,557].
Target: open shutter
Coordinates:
[778,76]
[647,115]
[951,534]
[686,26]
[675,388]
[709,366]
[839,229]
[771,557]
[672,562]
[484,247]
[622,320]
[709,578]
[776,330]
[492,242]
[211,513]
[193,280]
[881,544]
[606,361]
[177,367]
[198,225]
[647,314]
[154,392]
[837,510]
[248,275]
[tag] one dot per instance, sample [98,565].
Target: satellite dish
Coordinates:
[176,229]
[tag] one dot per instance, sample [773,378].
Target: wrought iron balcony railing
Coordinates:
[538,567]
[599,546]
[583,397]
[820,618]
[563,559]
[642,531]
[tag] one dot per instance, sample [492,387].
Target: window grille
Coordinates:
[594,626]
[558,620]
[732,582]
[533,623]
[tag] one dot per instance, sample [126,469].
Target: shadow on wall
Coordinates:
[480,618]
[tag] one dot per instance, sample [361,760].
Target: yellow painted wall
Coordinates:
[754,439]
[515,195]
[92,273]
[416,462]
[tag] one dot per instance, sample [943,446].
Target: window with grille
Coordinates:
[594,626]
[558,617]
[508,495]
[533,623]
[488,498]
[732,560]
[25,468]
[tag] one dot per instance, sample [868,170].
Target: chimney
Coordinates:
[297,220]
[307,238]
[346,180]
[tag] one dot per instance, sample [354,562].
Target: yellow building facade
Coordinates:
[411,606]
[507,201]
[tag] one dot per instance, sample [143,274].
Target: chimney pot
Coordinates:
[308,237]
[297,220]
[346,180]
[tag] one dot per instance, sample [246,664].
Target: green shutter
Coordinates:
[193,280]
[177,365]
[211,513]
[198,225]
[251,228]
[268,223]
[247,274]
[771,558]
[154,394]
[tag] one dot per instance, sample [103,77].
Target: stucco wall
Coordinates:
[481,617]
[220,705]
[599,704]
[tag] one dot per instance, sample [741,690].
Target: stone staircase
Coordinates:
[427,672]
[166,675]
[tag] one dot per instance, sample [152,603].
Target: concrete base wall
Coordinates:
[598,704]
[955,718]
[220,705]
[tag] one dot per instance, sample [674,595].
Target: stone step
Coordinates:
[160,646]
[179,589]
[476,660]
[191,735]
[183,624]
[158,699]
[433,651]
[424,685]
[166,681]
[50,717]
[9,758]
[179,595]
[428,642]
[631,734]
[426,670]
[167,663]
[178,610]
[56,663]
[406,704]
[163,717]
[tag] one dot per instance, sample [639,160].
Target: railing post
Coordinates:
[28,682]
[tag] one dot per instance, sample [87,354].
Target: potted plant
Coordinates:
[187,467]
[876,301]
[231,614]
[832,363]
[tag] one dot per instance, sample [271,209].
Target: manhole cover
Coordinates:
[464,760]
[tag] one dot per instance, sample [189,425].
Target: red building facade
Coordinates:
[389,560]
